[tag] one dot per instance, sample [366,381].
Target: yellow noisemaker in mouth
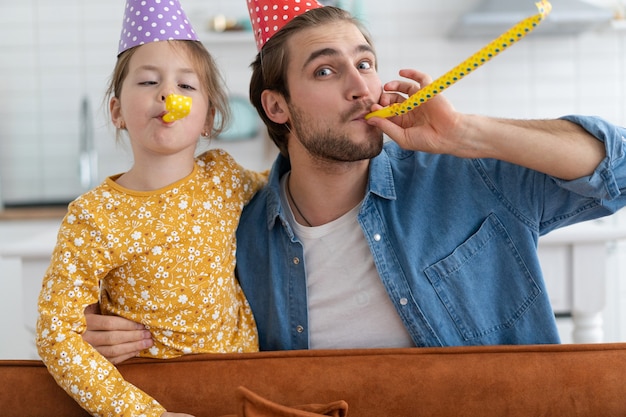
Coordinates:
[177,106]
[492,49]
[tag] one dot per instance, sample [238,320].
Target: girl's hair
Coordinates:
[269,69]
[210,78]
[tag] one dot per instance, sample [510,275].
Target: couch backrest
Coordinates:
[513,381]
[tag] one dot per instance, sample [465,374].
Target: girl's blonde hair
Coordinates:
[210,78]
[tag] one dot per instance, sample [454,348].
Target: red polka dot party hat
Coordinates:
[269,16]
[148,21]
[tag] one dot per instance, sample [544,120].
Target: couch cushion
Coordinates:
[547,380]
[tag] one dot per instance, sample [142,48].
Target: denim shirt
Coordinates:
[454,242]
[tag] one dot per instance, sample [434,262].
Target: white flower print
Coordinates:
[155,244]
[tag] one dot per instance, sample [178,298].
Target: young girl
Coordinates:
[155,244]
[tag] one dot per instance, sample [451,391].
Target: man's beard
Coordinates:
[323,142]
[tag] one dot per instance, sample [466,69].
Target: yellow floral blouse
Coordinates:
[164,258]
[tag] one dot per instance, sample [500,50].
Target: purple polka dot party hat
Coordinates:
[148,21]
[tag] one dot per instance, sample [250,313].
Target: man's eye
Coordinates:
[365,65]
[323,72]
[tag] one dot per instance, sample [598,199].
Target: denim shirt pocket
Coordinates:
[484,284]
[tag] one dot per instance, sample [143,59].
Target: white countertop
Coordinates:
[28,238]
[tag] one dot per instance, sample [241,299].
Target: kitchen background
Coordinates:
[56,57]
[56,139]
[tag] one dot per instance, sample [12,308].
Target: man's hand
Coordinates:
[433,127]
[116,338]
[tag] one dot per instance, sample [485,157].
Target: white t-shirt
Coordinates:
[348,305]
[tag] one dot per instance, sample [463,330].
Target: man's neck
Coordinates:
[323,194]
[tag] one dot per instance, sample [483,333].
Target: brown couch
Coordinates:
[556,380]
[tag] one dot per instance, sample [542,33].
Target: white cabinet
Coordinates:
[25,248]
[14,342]
[575,264]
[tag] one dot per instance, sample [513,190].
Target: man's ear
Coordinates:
[275,106]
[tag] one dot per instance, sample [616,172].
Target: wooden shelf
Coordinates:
[32,213]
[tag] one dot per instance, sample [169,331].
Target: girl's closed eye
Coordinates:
[187,87]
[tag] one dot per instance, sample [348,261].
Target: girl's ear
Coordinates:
[275,106]
[115,109]
[208,124]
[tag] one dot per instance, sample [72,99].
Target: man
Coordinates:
[427,240]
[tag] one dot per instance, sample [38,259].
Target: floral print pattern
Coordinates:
[165,258]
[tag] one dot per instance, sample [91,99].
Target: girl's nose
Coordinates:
[166,91]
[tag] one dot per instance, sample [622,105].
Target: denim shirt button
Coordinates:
[296,261]
[299,329]
[377,237]
[404,301]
